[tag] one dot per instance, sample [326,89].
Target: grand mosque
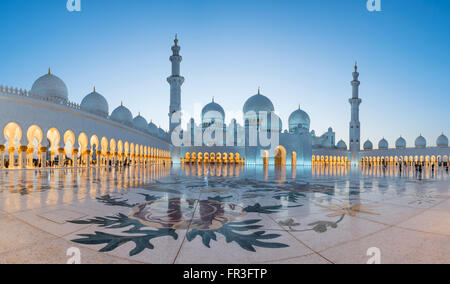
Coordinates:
[43,128]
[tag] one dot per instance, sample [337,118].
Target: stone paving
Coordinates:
[224,214]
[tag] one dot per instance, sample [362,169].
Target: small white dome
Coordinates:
[400,143]
[368,145]
[442,141]
[383,144]
[51,87]
[341,145]
[152,128]
[421,142]
[140,123]
[122,115]
[299,120]
[258,103]
[95,103]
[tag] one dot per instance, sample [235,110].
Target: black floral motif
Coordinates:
[258,208]
[247,242]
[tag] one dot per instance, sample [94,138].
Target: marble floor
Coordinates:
[225,214]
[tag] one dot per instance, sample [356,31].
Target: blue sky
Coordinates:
[299,52]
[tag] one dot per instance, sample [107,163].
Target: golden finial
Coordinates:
[176,39]
[259,90]
[356,66]
[121,103]
[299,106]
[49,71]
[94,90]
[213,100]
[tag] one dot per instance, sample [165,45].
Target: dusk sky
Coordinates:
[299,52]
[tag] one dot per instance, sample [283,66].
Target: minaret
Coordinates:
[355,125]
[175,81]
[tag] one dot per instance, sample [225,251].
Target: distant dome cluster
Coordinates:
[400,143]
[51,87]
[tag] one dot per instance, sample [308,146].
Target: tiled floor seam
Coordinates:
[187,231]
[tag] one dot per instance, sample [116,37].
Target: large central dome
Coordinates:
[258,103]
[51,87]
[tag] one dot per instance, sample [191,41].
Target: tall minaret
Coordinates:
[175,81]
[355,125]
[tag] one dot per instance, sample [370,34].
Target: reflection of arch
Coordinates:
[34,132]
[265,158]
[280,156]
[294,158]
[54,137]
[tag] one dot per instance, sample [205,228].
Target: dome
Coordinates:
[368,145]
[341,145]
[215,108]
[421,142]
[299,119]
[50,86]
[95,103]
[266,124]
[258,103]
[122,115]
[400,143]
[152,128]
[383,144]
[140,123]
[442,141]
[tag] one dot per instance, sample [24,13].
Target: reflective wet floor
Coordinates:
[225,214]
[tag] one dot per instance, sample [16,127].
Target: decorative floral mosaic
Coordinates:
[209,207]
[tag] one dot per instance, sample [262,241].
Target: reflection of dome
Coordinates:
[442,141]
[421,142]
[213,108]
[123,115]
[140,123]
[400,143]
[383,144]
[152,128]
[299,119]
[50,86]
[341,145]
[258,103]
[95,103]
[368,145]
